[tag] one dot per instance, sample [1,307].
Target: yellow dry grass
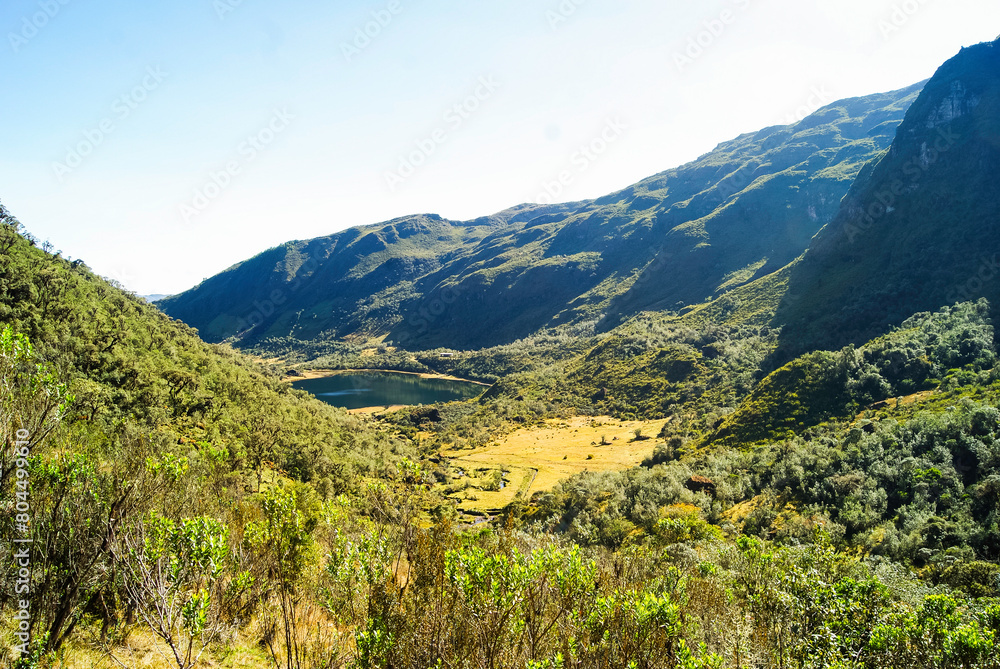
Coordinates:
[738,513]
[538,458]
[144,650]
[894,403]
[374,410]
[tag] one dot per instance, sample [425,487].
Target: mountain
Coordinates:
[920,228]
[675,239]
[176,495]
[134,370]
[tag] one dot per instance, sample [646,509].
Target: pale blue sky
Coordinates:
[163,95]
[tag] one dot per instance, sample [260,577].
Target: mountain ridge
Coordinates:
[917,231]
[745,209]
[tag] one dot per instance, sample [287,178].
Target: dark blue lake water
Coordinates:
[355,390]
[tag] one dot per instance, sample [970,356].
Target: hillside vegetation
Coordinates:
[694,453]
[738,213]
[917,231]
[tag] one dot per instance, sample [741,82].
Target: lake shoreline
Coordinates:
[369,391]
[365,411]
[310,374]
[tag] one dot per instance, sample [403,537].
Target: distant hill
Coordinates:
[675,239]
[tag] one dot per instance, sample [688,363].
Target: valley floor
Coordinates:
[535,459]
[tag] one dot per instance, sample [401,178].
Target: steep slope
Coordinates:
[306,288]
[687,234]
[920,228]
[755,219]
[118,422]
[819,386]
[135,371]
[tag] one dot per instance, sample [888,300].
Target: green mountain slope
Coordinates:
[925,353]
[919,228]
[747,208]
[134,370]
[116,419]
[839,511]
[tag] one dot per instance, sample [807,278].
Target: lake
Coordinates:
[357,390]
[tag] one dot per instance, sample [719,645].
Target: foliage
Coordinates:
[834,509]
[172,575]
[821,386]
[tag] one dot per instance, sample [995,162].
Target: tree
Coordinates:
[10,230]
[171,573]
[283,536]
[32,400]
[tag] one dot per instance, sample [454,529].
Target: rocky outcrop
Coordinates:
[959,102]
[700,484]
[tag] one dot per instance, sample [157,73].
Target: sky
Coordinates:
[163,141]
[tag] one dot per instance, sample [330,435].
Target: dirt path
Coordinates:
[527,490]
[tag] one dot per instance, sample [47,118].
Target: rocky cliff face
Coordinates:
[920,228]
[959,102]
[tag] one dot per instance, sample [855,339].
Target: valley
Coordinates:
[725,417]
